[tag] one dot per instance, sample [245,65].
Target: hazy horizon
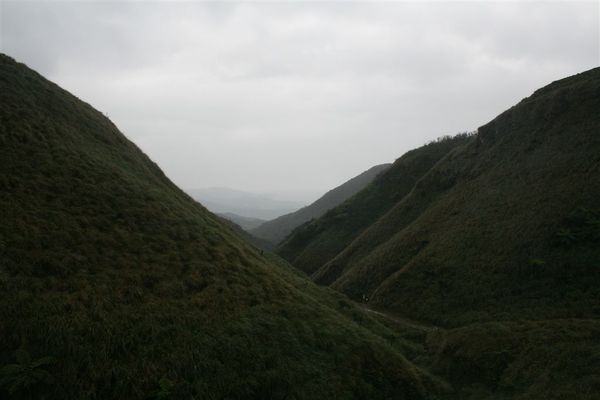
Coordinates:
[297,97]
[302,197]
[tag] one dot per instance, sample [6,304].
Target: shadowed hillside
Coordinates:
[259,243]
[316,242]
[504,226]
[497,244]
[276,230]
[117,285]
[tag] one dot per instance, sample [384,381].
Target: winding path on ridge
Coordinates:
[403,321]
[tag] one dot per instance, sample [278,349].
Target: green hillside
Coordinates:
[522,359]
[316,242]
[117,285]
[279,228]
[495,250]
[505,226]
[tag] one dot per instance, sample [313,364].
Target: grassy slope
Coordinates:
[314,243]
[506,226]
[524,360]
[500,243]
[260,244]
[278,229]
[109,268]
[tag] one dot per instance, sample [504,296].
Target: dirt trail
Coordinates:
[400,320]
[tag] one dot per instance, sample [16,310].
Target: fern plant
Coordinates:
[26,375]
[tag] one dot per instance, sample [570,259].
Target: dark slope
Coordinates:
[316,242]
[523,360]
[260,244]
[504,227]
[500,243]
[135,291]
[277,230]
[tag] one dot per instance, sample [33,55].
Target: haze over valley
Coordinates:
[244,204]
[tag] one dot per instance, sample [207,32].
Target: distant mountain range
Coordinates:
[243,204]
[276,230]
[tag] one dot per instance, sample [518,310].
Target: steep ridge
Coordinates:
[278,229]
[505,227]
[498,246]
[313,244]
[115,284]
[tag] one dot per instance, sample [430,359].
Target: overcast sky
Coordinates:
[297,96]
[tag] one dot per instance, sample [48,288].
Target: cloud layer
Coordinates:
[297,96]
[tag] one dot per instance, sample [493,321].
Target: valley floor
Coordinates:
[524,359]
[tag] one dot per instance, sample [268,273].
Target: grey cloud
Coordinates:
[297,95]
